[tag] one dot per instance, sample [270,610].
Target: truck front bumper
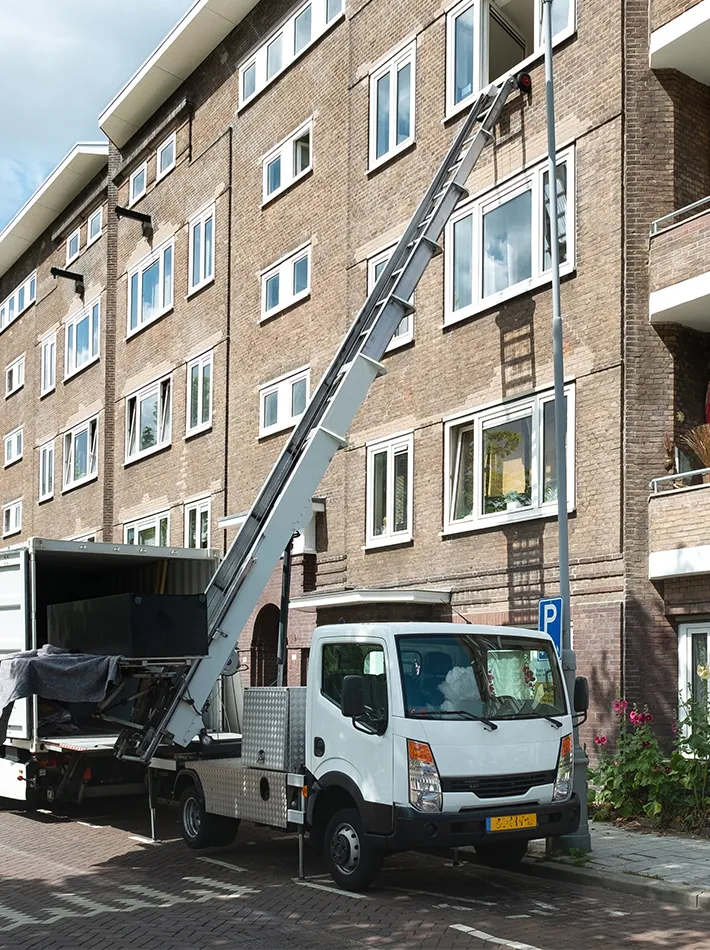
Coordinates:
[415,830]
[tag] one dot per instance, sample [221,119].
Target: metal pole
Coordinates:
[581,839]
[151,803]
[283,617]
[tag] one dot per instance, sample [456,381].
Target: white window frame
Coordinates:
[163,389]
[530,180]
[392,445]
[404,56]
[285,268]
[201,362]
[487,416]
[481,47]
[150,521]
[74,235]
[49,342]
[14,371]
[14,446]
[285,151]
[382,257]
[135,198]
[14,509]
[199,220]
[199,507]
[284,387]
[140,269]
[98,213]
[686,671]
[25,293]
[86,538]
[170,140]
[91,427]
[46,471]
[92,313]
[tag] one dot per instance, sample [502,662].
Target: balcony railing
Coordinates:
[682,214]
[694,479]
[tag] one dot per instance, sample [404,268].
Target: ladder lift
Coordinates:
[283,506]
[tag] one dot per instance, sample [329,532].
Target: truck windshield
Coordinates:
[497,677]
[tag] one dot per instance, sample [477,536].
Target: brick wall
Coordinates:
[679,519]
[680,253]
[662,11]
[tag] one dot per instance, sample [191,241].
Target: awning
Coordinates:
[369,595]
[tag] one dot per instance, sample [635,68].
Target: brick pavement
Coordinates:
[98,883]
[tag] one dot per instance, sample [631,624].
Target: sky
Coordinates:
[61,63]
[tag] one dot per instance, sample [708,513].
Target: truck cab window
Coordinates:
[361,659]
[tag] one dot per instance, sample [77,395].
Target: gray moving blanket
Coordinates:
[54,673]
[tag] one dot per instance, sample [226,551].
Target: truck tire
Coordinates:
[352,860]
[201,829]
[501,854]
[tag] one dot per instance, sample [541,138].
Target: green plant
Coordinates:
[579,856]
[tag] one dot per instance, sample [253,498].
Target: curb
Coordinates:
[679,895]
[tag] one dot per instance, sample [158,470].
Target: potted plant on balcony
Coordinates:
[697,440]
[514,499]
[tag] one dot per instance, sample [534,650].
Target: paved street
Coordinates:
[90,881]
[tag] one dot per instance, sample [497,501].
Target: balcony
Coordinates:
[679,525]
[683,42]
[679,267]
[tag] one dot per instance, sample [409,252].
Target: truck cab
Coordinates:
[435,735]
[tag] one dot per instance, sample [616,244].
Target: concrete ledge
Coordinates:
[679,895]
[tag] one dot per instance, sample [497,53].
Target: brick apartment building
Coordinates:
[264,160]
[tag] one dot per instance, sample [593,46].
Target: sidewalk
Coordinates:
[674,868]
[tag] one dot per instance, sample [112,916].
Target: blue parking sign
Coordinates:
[550,620]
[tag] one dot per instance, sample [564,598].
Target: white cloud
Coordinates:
[61,63]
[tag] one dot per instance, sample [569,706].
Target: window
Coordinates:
[201,261]
[197,524]
[94,226]
[358,659]
[81,453]
[199,394]
[165,158]
[486,40]
[73,245]
[149,420]
[392,106]
[138,184]
[286,282]
[295,35]
[694,671]
[283,401]
[12,518]
[148,532]
[498,245]
[46,471]
[49,364]
[82,340]
[18,301]
[15,376]
[287,162]
[405,331]
[150,288]
[13,446]
[389,491]
[500,463]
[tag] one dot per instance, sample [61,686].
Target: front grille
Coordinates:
[497,786]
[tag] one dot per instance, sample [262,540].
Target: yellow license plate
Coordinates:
[511,822]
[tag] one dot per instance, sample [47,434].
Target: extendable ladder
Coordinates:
[283,506]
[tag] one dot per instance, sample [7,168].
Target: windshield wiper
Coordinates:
[488,723]
[555,722]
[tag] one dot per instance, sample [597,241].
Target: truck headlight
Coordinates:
[563,781]
[424,783]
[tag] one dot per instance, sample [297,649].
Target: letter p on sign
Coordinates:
[550,620]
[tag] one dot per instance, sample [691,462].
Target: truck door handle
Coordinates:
[318,747]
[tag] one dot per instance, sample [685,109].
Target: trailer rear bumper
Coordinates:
[414,830]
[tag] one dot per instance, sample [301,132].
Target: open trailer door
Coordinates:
[13,628]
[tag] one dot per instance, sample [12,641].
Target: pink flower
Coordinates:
[674,727]
[645,745]
[600,740]
[635,718]
[648,718]
[620,706]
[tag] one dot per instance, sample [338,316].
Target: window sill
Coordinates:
[495,521]
[495,300]
[164,174]
[275,430]
[374,544]
[13,462]
[70,260]
[134,201]
[11,534]
[79,483]
[148,323]
[47,392]
[379,163]
[93,240]
[76,372]
[399,342]
[198,430]
[146,453]
[282,191]
[265,317]
[193,291]
[13,391]
[45,498]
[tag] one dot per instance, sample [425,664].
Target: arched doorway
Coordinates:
[264,647]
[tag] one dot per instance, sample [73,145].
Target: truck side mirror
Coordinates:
[581,694]
[352,701]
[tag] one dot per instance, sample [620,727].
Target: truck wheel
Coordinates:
[501,854]
[201,829]
[352,860]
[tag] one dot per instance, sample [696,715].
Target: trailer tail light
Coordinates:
[424,783]
[87,775]
[563,781]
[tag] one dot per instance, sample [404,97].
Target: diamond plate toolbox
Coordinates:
[238,792]
[274,735]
